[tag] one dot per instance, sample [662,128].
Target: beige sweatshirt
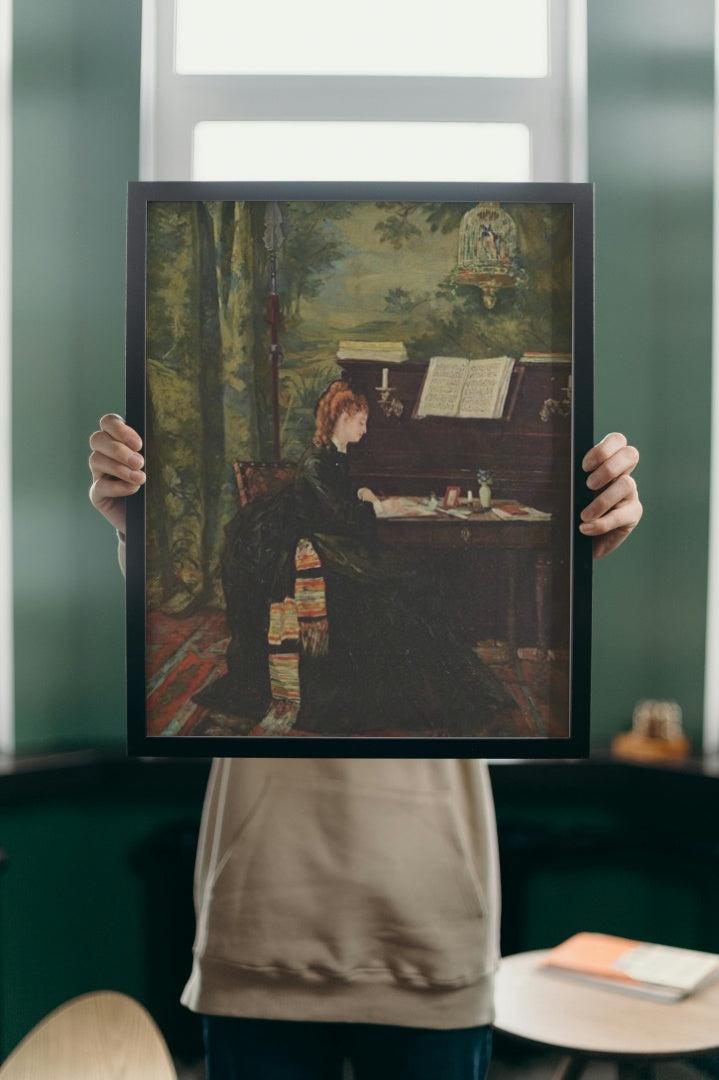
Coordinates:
[347,890]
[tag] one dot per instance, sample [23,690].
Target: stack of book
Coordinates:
[661,972]
[534,357]
[376,352]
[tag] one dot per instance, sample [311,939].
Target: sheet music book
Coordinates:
[469,389]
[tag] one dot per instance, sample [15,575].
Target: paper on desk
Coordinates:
[454,513]
[410,507]
[528,514]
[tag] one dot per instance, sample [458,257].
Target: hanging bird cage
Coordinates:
[488,252]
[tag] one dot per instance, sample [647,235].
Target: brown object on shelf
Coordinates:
[656,734]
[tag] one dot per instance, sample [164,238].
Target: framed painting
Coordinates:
[364,408]
[451,497]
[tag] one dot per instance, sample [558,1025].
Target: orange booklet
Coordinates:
[662,972]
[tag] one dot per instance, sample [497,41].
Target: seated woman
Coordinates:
[331,630]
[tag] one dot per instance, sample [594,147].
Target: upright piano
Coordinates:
[515,576]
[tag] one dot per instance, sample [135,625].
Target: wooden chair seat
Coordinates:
[99,1036]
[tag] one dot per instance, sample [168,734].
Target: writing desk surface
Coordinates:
[480,528]
[570,1015]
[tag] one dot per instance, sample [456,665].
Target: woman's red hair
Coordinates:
[337,399]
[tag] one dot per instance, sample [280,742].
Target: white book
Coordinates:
[385,352]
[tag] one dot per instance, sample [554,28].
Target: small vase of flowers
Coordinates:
[485,481]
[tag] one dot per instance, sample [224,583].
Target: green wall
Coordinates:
[75,146]
[76,89]
[96,892]
[651,151]
[76,901]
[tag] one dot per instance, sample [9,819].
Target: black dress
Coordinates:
[397,658]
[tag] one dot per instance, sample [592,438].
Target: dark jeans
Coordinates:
[239,1049]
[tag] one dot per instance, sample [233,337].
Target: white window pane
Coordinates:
[491,38]
[315,150]
[7,720]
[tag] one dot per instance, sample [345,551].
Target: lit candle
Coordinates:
[385,378]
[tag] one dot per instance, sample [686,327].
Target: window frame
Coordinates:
[553,108]
[7,717]
[710,725]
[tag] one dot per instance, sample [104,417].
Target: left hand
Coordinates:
[616,509]
[117,468]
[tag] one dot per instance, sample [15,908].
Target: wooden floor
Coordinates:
[185,654]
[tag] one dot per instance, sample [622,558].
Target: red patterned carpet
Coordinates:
[185,654]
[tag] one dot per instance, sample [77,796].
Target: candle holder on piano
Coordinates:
[558,407]
[388,403]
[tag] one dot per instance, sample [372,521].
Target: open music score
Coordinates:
[468,389]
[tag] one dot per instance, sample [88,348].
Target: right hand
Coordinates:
[116,466]
[392,505]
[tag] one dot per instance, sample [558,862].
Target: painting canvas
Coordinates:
[363,410]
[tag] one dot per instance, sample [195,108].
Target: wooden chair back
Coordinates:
[261,478]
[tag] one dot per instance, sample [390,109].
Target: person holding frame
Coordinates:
[349,908]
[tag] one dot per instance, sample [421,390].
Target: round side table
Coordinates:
[586,1022]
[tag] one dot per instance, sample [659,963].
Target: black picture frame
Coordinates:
[418,212]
